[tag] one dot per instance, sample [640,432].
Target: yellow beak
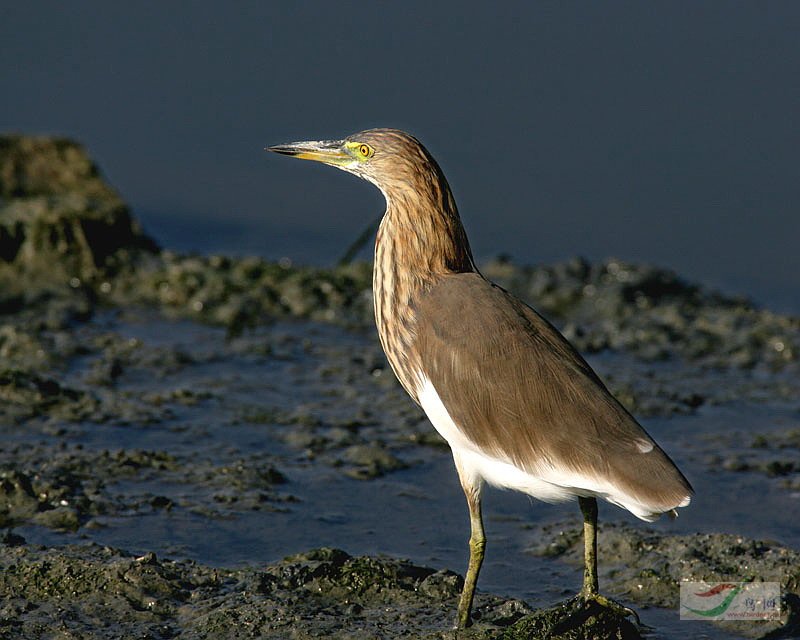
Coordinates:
[327,151]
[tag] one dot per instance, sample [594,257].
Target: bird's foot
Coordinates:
[462,622]
[608,603]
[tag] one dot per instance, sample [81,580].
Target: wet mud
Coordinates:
[179,431]
[95,591]
[647,568]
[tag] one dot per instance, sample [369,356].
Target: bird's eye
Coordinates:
[364,150]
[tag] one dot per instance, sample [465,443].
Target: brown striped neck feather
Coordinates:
[420,239]
[421,215]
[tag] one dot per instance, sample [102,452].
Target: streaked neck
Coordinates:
[420,240]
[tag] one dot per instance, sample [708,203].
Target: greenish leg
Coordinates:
[590,590]
[589,510]
[477,545]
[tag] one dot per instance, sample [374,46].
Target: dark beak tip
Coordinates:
[281,148]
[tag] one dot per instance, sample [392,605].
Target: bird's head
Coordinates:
[390,159]
[418,199]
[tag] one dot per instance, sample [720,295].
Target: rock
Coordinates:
[442,584]
[17,498]
[60,519]
[11,539]
[370,461]
[573,620]
[27,395]
[60,223]
[41,166]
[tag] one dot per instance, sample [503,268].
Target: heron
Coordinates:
[516,402]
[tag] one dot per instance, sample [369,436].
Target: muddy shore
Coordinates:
[142,389]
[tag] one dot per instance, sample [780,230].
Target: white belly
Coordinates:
[548,482]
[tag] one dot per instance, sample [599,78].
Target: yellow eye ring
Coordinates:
[360,150]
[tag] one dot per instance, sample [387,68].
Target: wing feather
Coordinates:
[519,391]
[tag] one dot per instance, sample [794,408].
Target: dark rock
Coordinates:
[61,519]
[442,584]
[27,395]
[18,500]
[60,223]
[41,166]
[11,539]
[370,461]
[573,620]
[161,502]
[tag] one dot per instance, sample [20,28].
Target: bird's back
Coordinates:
[519,393]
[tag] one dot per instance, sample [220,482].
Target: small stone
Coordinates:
[60,518]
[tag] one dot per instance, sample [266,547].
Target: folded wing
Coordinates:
[519,392]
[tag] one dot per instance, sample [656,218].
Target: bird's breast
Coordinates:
[395,289]
[416,247]
[396,329]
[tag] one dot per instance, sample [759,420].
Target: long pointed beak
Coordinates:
[327,151]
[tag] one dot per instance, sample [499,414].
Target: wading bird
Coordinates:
[520,408]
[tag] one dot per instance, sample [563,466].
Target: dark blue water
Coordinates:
[651,132]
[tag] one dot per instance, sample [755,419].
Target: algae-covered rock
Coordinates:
[370,461]
[60,221]
[573,620]
[26,395]
[43,166]
[17,498]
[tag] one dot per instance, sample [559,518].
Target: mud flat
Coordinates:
[648,568]
[175,426]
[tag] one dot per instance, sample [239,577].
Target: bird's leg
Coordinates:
[590,590]
[589,510]
[477,545]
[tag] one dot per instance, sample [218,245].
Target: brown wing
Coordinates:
[515,387]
